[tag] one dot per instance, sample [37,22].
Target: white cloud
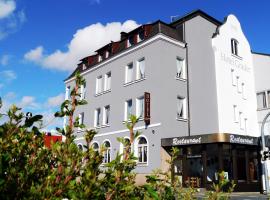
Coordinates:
[4,60]
[7,75]
[84,42]
[55,101]
[34,54]
[6,8]
[28,102]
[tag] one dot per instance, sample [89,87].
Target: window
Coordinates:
[81,118]
[268,98]
[83,66]
[107,153]
[140,107]
[141,68]
[107,53]
[107,84]
[97,117]
[67,93]
[142,150]
[238,84]
[241,120]
[99,84]
[181,107]
[140,36]
[106,115]
[99,58]
[130,41]
[95,146]
[129,73]
[233,77]
[180,68]
[235,114]
[261,100]
[234,46]
[128,109]
[245,124]
[244,91]
[82,92]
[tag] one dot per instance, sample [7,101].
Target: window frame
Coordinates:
[108,76]
[99,84]
[107,155]
[126,116]
[184,107]
[105,108]
[142,146]
[264,100]
[139,75]
[235,47]
[97,118]
[127,70]
[182,74]
[139,113]
[92,146]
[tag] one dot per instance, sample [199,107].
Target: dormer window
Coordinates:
[234,46]
[83,66]
[130,41]
[107,53]
[140,36]
[99,58]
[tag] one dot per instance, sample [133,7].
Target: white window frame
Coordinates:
[139,113]
[246,124]
[107,152]
[235,47]
[99,58]
[241,120]
[67,96]
[107,81]
[181,102]
[126,116]
[96,118]
[235,114]
[180,68]
[99,87]
[80,145]
[264,100]
[105,115]
[136,150]
[107,54]
[233,77]
[128,41]
[83,66]
[138,36]
[82,92]
[131,70]
[140,75]
[81,120]
[239,88]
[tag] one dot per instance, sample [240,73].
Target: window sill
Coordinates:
[97,127]
[103,92]
[105,125]
[180,79]
[135,81]
[261,109]
[236,56]
[142,164]
[181,119]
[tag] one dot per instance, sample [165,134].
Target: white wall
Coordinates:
[228,95]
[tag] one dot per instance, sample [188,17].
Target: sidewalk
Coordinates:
[240,195]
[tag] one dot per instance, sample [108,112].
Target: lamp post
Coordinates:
[266,163]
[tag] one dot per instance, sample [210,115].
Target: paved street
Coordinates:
[243,196]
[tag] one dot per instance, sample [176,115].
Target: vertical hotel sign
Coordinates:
[147,108]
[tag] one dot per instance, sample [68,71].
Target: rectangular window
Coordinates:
[97,117]
[130,41]
[107,53]
[83,66]
[239,87]
[67,93]
[107,84]
[140,36]
[141,68]
[241,120]
[129,73]
[106,115]
[99,58]
[246,120]
[234,46]
[128,109]
[233,77]
[99,84]
[244,91]
[235,114]
[181,107]
[261,100]
[81,119]
[82,92]
[180,68]
[140,107]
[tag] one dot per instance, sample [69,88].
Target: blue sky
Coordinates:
[41,41]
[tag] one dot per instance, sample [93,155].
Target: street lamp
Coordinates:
[266,163]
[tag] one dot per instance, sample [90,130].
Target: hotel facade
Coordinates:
[195,84]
